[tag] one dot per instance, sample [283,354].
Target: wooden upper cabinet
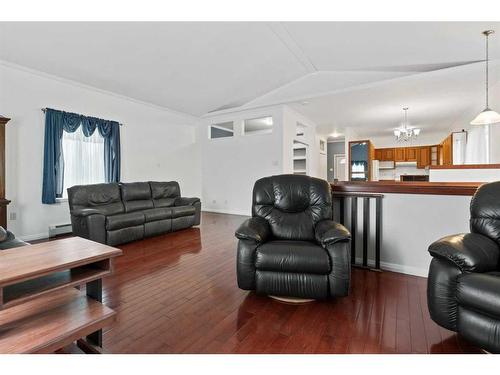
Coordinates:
[384,154]
[424,157]
[411,153]
[388,154]
[400,154]
[447,151]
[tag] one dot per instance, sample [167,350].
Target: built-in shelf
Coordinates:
[299,158]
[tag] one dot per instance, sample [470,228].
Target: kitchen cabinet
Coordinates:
[400,154]
[388,154]
[447,151]
[424,157]
[384,154]
[411,153]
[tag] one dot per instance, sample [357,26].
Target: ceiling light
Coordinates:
[487,116]
[405,133]
[305,102]
[335,135]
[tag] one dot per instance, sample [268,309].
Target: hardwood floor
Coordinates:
[177,293]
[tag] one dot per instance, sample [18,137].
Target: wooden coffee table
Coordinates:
[41,311]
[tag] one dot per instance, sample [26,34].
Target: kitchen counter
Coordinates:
[420,187]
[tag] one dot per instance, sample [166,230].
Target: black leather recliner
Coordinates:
[291,247]
[463,288]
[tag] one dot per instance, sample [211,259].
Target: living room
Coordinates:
[284,185]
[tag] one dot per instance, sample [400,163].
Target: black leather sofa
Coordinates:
[117,213]
[9,241]
[463,288]
[291,247]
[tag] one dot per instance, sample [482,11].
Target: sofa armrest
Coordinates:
[84,212]
[184,201]
[255,229]
[471,252]
[328,232]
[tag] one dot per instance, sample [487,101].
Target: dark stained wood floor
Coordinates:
[177,293]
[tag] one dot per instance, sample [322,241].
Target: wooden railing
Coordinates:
[341,202]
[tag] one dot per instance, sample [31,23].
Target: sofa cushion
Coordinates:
[181,211]
[136,196]
[292,256]
[104,197]
[155,214]
[481,292]
[164,194]
[3,234]
[125,220]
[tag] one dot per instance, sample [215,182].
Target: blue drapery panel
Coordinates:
[53,160]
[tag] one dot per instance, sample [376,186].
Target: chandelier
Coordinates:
[405,133]
[487,116]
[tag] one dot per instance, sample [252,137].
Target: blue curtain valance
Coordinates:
[56,122]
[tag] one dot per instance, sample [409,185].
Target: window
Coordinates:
[263,125]
[221,130]
[83,159]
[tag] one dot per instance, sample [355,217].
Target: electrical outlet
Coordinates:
[13,216]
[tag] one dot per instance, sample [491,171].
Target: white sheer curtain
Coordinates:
[478,145]
[83,159]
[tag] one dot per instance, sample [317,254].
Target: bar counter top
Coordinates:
[413,187]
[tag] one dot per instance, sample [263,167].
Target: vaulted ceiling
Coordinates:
[350,74]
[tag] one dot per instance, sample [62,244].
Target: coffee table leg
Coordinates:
[94,290]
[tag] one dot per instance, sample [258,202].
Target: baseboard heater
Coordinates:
[59,229]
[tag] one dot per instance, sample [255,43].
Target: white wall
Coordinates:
[410,223]
[230,166]
[157,144]
[464,175]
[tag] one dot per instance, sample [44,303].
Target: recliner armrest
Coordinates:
[183,201]
[83,212]
[471,252]
[254,229]
[328,232]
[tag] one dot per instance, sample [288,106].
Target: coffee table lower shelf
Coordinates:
[48,323]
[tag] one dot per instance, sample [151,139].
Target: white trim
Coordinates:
[225,211]
[398,268]
[93,88]
[33,237]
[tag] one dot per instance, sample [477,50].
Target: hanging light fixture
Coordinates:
[405,133]
[487,116]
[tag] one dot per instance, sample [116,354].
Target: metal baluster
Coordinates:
[366,229]
[354,227]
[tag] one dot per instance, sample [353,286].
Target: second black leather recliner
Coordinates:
[463,288]
[291,247]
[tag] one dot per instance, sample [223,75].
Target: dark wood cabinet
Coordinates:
[378,154]
[411,153]
[424,157]
[388,154]
[447,151]
[399,154]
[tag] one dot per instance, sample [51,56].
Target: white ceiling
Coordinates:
[352,74]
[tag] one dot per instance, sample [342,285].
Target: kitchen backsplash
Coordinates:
[394,174]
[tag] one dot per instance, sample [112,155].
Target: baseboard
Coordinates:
[33,237]
[399,268]
[228,212]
